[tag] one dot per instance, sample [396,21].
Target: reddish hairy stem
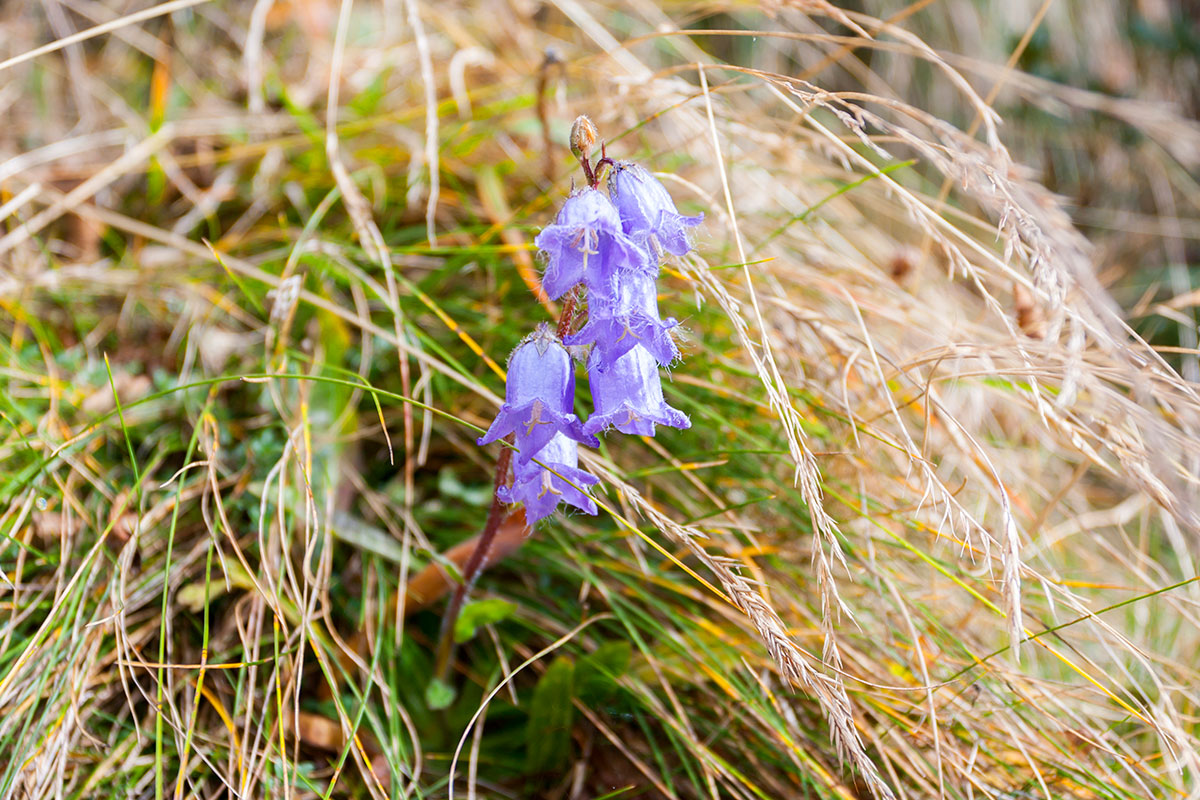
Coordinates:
[587,171]
[568,314]
[478,557]
[472,568]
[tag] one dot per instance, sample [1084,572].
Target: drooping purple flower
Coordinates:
[538,396]
[541,490]
[629,397]
[617,325]
[648,214]
[586,245]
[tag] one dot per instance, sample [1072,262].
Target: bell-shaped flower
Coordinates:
[586,245]
[648,214]
[629,397]
[542,489]
[539,396]
[617,325]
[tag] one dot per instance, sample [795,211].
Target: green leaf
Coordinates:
[192,595]
[479,613]
[439,694]
[548,732]
[352,530]
[597,673]
[451,487]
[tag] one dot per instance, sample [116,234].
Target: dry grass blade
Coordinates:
[931,533]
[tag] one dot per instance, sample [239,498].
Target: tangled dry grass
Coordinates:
[931,534]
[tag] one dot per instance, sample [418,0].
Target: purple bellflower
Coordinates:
[648,214]
[629,397]
[539,395]
[586,244]
[541,490]
[619,324]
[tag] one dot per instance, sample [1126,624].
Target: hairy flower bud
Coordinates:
[583,137]
[539,396]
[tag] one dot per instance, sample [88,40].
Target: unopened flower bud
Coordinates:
[583,137]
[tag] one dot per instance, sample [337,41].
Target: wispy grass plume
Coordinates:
[932,530]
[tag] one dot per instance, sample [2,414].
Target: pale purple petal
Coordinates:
[616,326]
[586,245]
[539,397]
[542,489]
[565,263]
[541,368]
[648,214]
[534,424]
[628,396]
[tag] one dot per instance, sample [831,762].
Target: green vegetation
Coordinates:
[247,344]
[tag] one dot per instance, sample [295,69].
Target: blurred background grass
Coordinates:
[238,235]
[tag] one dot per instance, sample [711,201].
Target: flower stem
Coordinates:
[495,516]
[568,314]
[479,556]
[472,568]
[587,171]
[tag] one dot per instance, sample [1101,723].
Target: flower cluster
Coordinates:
[539,395]
[612,244]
